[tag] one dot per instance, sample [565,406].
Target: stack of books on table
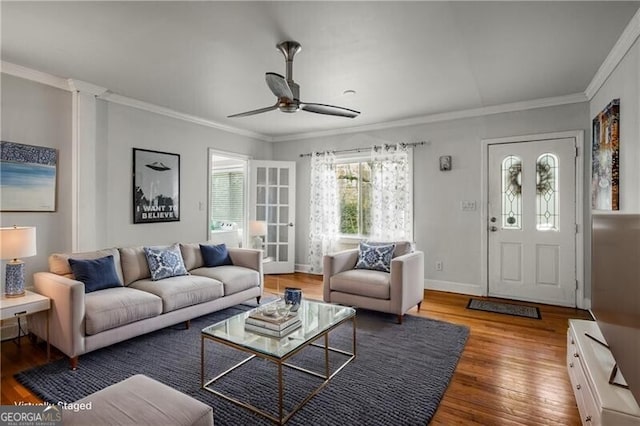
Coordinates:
[275,326]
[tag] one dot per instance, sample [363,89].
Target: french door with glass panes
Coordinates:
[532,221]
[273,207]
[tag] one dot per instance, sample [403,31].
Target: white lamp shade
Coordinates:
[257,227]
[17,242]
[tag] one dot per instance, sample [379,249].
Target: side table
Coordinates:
[30,303]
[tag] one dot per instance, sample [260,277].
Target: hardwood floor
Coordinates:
[512,371]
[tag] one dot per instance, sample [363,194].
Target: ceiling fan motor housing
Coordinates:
[287,105]
[288,92]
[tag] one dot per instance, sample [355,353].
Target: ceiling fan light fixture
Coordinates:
[288,92]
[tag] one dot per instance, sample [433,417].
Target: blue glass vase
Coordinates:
[293,296]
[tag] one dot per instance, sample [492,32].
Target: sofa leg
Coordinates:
[187,324]
[419,304]
[399,319]
[73,363]
[258,299]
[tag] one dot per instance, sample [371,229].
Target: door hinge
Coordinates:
[576,151]
[576,228]
[577,286]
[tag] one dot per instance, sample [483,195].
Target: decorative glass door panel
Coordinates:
[273,203]
[531,223]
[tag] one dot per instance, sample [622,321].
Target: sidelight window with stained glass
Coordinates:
[512,192]
[547,214]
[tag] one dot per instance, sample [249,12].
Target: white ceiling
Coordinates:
[404,59]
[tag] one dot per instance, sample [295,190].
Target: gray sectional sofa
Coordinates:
[82,322]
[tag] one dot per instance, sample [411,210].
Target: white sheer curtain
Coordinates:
[324,210]
[391,193]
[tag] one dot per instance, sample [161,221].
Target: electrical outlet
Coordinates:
[438,265]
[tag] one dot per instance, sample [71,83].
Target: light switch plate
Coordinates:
[468,205]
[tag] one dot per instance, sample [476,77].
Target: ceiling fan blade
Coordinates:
[254,112]
[329,110]
[278,85]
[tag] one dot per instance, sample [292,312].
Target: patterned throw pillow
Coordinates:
[165,262]
[374,256]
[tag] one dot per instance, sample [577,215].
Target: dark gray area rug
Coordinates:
[398,378]
[504,308]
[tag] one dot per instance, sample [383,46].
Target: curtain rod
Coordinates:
[340,151]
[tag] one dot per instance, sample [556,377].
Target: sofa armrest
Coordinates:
[66,321]
[333,264]
[407,281]
[248,258]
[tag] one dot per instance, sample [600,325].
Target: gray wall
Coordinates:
[128,128]
[35,114]
[442,230]
[624,83]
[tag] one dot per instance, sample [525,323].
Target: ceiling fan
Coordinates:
[288,92]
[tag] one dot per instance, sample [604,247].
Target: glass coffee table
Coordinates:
[318,320]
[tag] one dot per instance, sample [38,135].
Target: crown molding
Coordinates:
[72,85]
[35,75]
[104,94]
[83,86]
[622,46]
[145,106]
[446,116]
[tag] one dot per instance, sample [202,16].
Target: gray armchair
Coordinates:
[394,292]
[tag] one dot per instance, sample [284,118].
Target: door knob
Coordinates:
[290,224]
[493,219]
[493,228]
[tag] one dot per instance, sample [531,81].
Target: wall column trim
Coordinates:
[84,224]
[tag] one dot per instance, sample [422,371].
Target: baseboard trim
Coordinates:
[455,287]
[304,268]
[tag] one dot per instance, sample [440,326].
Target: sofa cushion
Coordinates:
[363,282]
[375,256]
[113,307]
[234,278]
[165,262]
[192,255]
[59,262]
[96,274]
[215,255]
[402,248]
[134,264]
[182,291]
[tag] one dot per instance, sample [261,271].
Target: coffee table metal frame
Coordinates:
[280,363]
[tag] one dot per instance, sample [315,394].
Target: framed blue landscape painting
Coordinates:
[27,178]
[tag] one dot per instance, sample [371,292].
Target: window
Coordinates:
[227,199]
[512,192]
[354,197]
[227,202]
[547,192]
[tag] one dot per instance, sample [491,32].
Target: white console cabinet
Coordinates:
[590,365]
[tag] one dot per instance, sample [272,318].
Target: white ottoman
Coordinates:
[140,400]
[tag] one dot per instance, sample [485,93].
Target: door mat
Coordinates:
[504,308]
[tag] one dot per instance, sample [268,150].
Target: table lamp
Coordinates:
[16,242]
[257,228]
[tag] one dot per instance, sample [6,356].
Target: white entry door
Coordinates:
[273,201]
[532,223]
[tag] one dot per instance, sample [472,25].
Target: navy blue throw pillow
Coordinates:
[96,274]
[215,255]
